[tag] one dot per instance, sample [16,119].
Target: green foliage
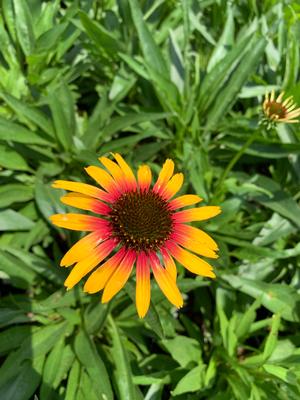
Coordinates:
[151,80]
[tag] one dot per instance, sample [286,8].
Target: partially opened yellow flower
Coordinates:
[279,110]
[137,225]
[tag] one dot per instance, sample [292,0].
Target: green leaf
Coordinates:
[191,382]
[14,193]
[151,51]
[24,26]
[10,159]
[11,220]
[244,324]
[271,341]
[123,373]
[73,381]
[184,350]
[17,133]
[87,354]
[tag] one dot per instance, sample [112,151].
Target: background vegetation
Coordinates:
[151,79]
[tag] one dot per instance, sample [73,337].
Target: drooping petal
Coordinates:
[98,279]
[183,201]
[83,267]
[104,179]
[127,171]
[196,247]
[196,234]
[197,214]
[164,175]
[169,263]
[80,222]
[81,248]
[144,177]
[173,186]
[166,282]
[119,277]
[190,261]
[142,293]
[83,188]
[84,202]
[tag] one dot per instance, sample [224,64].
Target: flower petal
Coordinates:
[98,279]
[83,188]
[169,263]
[84,202]
[197,214]
[115,171]
[119,277]
[196,247]
[190,261]
[185,200]
[164,175]
[166,282]
[173,186]
[127,171]
[144,177]
[81,248]
[196,234]
[142,293]
[80,222]
[103,178]
[85,266]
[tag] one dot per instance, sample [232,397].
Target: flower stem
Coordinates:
[233,161]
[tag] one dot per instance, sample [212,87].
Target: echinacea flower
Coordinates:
[279,110]
[137,225]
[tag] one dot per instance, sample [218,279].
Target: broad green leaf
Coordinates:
[244,323]
[12,316]
[73,381]
[123,373]
[191,382]
[11,220]
[11,159]
[186,351]
[14,193]
[14,132]
[89,357]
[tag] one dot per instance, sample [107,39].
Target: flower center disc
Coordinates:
[141,220]
[276,109]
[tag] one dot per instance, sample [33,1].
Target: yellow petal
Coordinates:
[144,177]
[166,283]
[83,267]
[169,264]
[164,175]
[197,235]
[119,277]
[79,222]
[115,171]
[84,202]
[127,171]
[185,200]
[98,279]
[81,249]
[173,186]
[142,294]
[197,214]
[190,261]
[83,188]
[196,247]
[103,178]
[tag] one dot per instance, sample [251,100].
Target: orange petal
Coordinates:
[196,234]
[190,261]
[173,186]
[81,249]
[84,202]
[164,175]
[103,178]
[185,200]
[127,171]
[196,247]
[85,266]
[142,293]
[169,264]
[197,214]
[115,171]
[83,188]
[98,279]
[166,282]
[144,177]
[119,277]
[80,222]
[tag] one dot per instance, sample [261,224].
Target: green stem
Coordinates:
[233,161]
